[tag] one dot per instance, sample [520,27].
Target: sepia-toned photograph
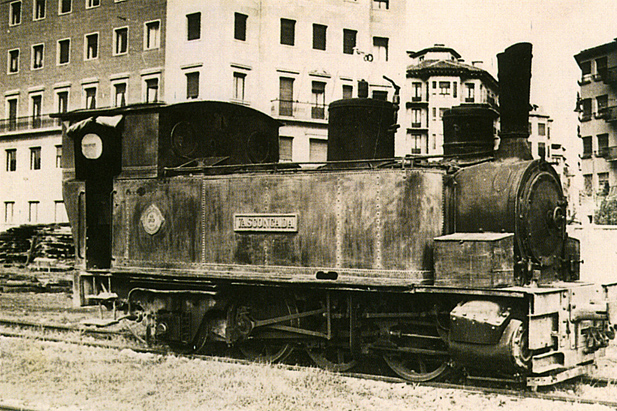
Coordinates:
[281,205]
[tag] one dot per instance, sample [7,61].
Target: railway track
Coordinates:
[468,386]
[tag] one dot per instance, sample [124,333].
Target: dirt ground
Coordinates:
[61,376]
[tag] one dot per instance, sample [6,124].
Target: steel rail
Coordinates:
[521,393]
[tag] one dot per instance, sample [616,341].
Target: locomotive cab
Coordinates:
[105,146]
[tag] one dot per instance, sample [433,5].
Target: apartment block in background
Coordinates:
[60,55]
[597,107]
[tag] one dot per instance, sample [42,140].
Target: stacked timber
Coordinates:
[48,246]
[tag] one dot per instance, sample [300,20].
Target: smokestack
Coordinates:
[514,66]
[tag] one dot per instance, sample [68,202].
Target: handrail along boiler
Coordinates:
[184,213]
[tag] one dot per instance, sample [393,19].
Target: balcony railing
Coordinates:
[29,123]
[298,110]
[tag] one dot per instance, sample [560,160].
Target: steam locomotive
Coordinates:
[184,214]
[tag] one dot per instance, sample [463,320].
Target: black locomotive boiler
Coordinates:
[183,214]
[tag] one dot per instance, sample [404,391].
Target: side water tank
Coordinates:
[361,129]
[469,130]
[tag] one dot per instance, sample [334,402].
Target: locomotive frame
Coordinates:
[183,214]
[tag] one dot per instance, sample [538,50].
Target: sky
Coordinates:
[557,29]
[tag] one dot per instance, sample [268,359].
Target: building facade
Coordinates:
[436,81]
[287,59]
[60,55]
[597,107]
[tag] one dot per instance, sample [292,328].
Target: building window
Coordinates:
[587,146]
[286,148]
[416,118]
[59,156]
[11,159]
[603,184]
[35,158]
[12,113]
[286,88]
[9,211]
[151,92]
[541,129]
[37,56]
[318,110]
[119,90]
[239,86]
[602,105]
[152,35]
[586,109]
[380,95]
[602,145]
[121,41]
[65,6]
[15,13]
[541,149]
[36,106]
[288,32]
[470,94]
[92,46]
[64,51]
[454,89]
[417,92]
[92,3]
[90,97]
[586,70]
[193,26]
[381,4]
[444,88]
[13,60]
[39,10]
[601,67]
[380,48]
[418,143]
[62,101]
[347,91]
[319,36]
[33,211]
[318,150]
[240,26]
[192,85]
[588,184]
[349,41]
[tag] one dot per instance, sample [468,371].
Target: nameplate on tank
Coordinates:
[270,223]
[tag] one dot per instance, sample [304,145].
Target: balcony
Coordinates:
[288,109]
[30,123]
[416,102]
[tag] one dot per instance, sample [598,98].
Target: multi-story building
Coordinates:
[597,106]
[436,81]
[59,55]
[287,59]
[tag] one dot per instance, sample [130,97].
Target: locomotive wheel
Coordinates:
[334,359]
[263,351]
[262,344]
[417,368]
[431,360]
